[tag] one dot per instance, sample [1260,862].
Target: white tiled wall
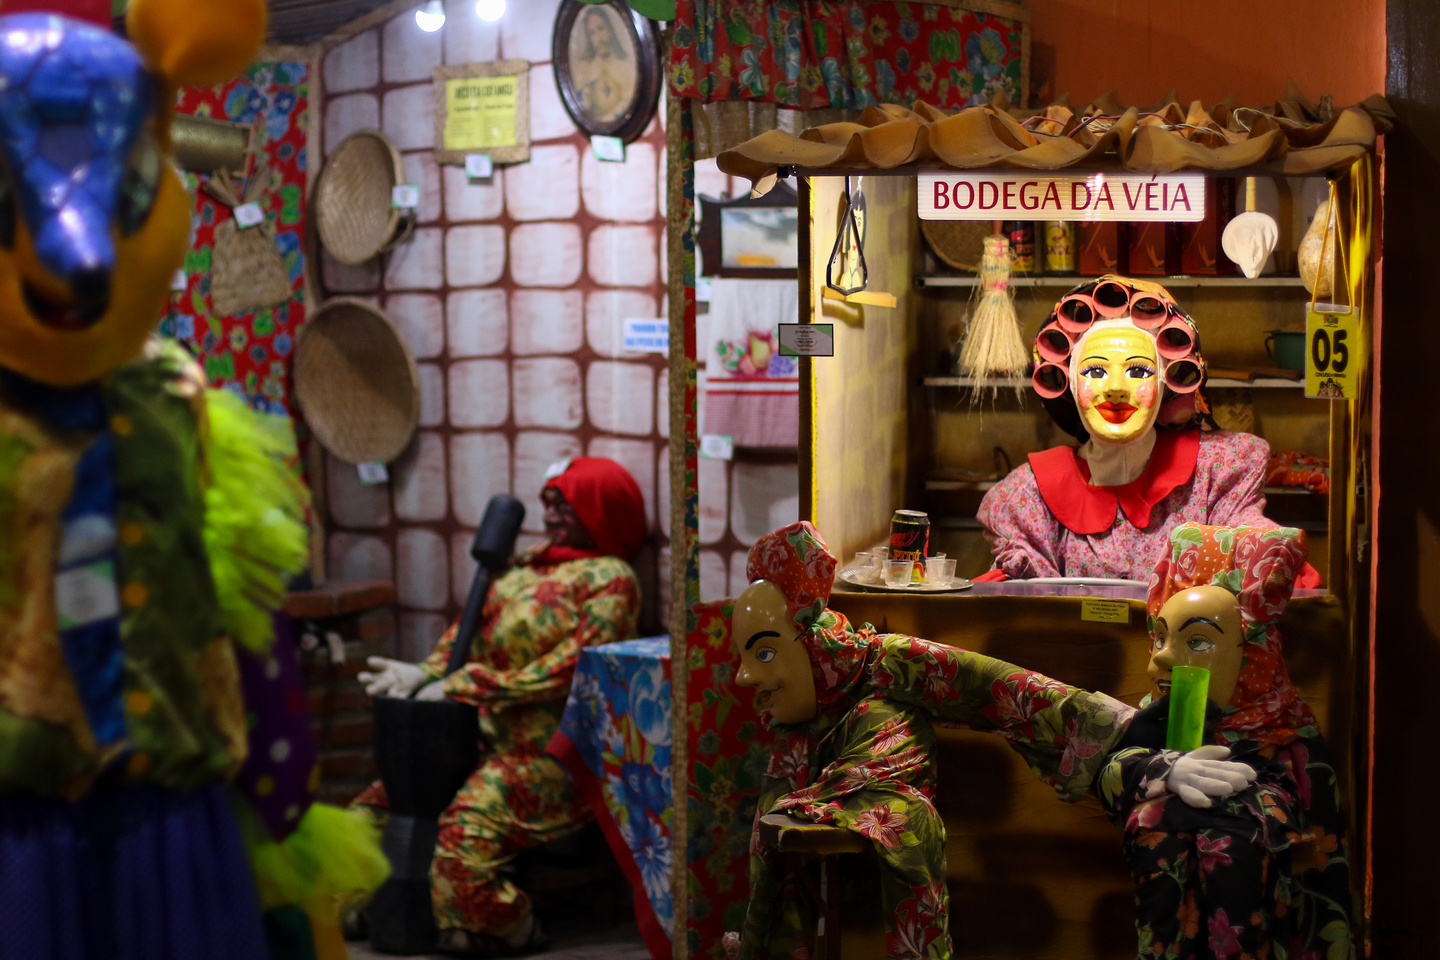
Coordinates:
[512,294]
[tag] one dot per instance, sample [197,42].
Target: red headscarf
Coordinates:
[92,11]
[1259,565]
[609,504]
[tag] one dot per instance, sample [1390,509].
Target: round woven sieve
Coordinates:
[356,382]
[353,210]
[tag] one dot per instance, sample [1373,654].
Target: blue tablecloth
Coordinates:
[615,740]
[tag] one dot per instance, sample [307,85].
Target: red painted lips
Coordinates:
[1115,412]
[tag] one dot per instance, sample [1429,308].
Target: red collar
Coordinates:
[1088,510]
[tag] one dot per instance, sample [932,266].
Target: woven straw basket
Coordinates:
[356,382]
[959,243]
[353,210]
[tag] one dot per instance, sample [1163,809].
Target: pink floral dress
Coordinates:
[1022,514]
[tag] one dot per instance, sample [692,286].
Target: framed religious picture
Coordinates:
[607,66]
[483,108]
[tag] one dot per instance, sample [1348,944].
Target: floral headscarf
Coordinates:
[796,559]
[1259,565]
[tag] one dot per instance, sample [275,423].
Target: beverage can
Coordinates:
[1060,247]
[1022,245]
[910,540]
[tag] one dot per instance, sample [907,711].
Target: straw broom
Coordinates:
[993,347]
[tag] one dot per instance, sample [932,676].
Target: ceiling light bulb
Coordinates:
[431,17]
[490,9]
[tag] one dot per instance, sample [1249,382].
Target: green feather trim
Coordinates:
[255,531]
[332,852]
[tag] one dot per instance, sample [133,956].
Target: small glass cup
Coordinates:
[898,572]
[935,571]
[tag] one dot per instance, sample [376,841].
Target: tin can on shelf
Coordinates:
[910,540]
[1060,248]
[1022,245]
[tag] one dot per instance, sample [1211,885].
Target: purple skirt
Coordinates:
[127,873]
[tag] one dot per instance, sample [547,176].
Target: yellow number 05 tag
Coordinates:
[1334,353]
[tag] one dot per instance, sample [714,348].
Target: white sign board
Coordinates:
[647,336]
[1023,195]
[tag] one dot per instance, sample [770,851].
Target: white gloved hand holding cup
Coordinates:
[1205,773]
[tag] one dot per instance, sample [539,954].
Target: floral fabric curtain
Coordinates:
[843,54]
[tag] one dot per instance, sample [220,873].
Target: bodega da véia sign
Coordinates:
[1024,195]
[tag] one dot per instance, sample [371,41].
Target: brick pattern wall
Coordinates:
[512,295]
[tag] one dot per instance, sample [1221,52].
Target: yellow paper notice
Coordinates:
[480,113]
[1105,611]
[1335,353]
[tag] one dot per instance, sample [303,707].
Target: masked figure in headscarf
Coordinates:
[1237,848]
[1119,367]
[853,713]
[575,590]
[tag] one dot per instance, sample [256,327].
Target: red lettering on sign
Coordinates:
[1180,197]
[1075,187]
[1150,195]
[955,195]
[1132,201]
[1031,201]
[942,195]
[1009,195]
[1104,197]
[1165,195]
[994,195]
[1052,195]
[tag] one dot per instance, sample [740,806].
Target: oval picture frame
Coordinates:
[626,40]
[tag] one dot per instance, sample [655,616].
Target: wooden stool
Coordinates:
[793,836]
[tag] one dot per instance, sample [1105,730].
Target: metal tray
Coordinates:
[879,586]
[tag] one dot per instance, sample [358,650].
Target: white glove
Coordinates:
[392,678]
[1204,773]
[432,691]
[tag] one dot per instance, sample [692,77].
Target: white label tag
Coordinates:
[373,472]
[86,594]
[479,166]
[180,281]
[249,215]
[647,336]
[608,148]
[717,446]
[702,289]
[405,196]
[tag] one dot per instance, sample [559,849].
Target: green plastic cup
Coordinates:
[1189,692]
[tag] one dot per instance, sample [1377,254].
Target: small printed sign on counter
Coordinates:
[717,446]
[807,339]
[647,336]
[1104,611]
[479,166]
[608,148]
[373,472]
[405,196]
[249,215]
